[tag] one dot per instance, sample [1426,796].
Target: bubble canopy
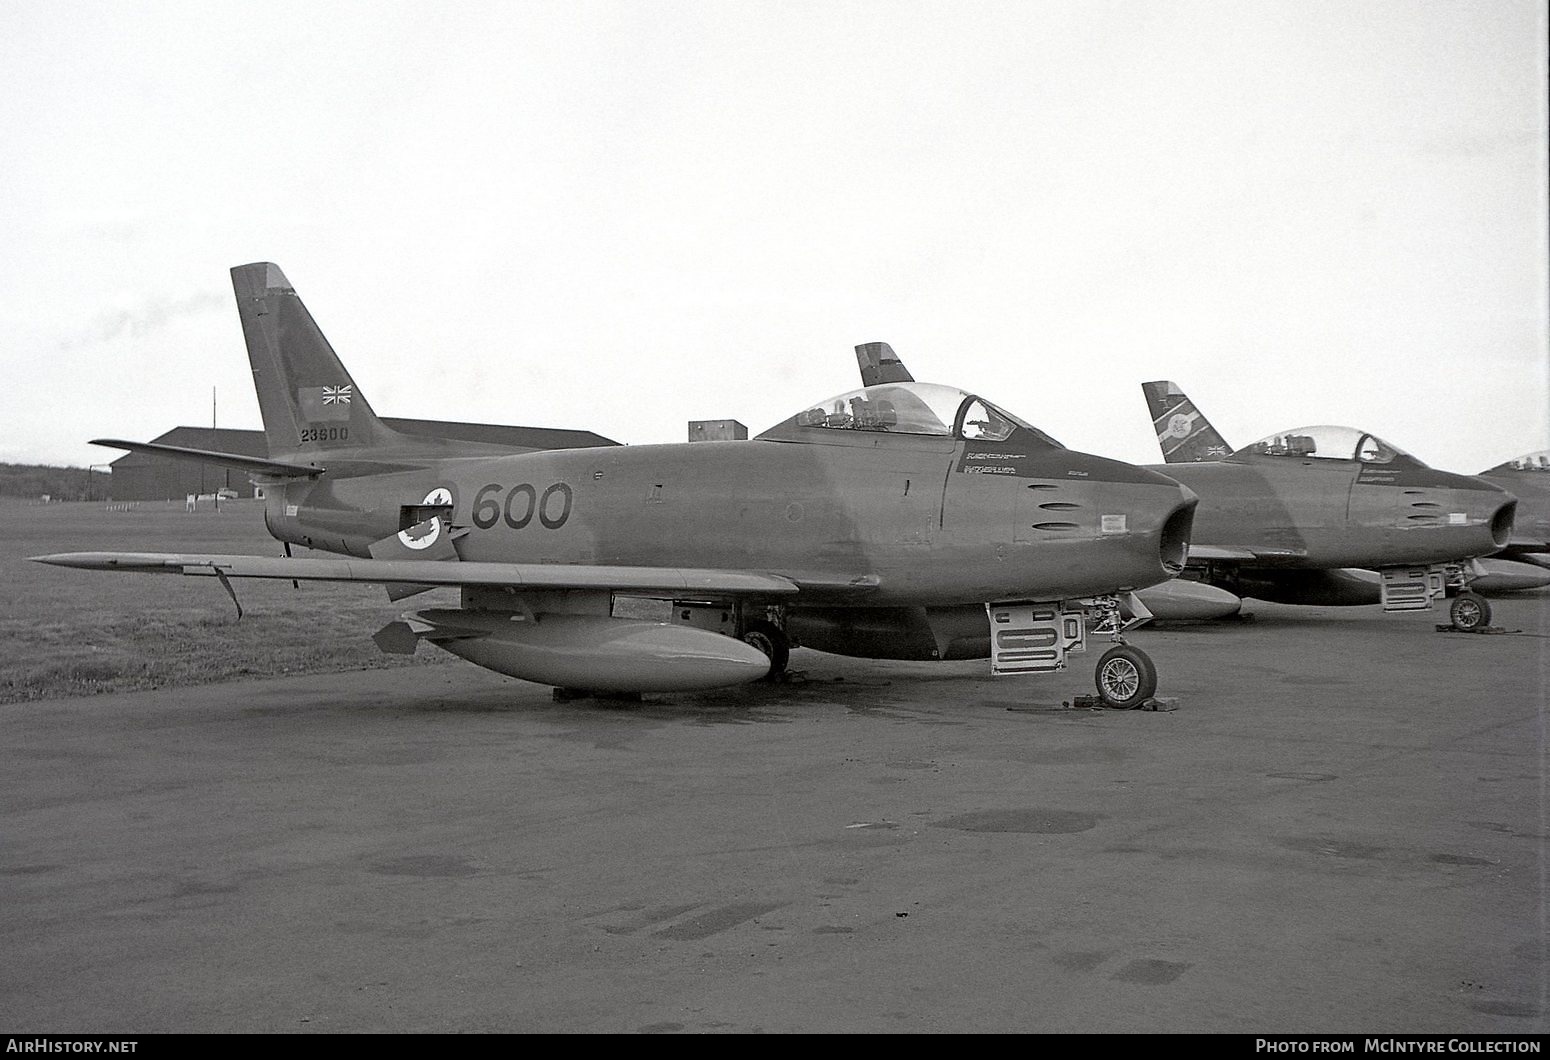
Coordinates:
[1539,461]
[1326,443]
[916,408]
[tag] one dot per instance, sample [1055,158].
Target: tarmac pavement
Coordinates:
[1342,828]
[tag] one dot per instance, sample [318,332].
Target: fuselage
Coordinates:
[901,519]
[1318,513]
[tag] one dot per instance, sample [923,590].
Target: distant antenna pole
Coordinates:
[213,446]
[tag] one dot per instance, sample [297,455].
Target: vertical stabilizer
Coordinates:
[879,364]
[309,403]
[1183,431]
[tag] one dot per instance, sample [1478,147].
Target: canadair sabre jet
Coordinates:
[1288,517]
[903,520]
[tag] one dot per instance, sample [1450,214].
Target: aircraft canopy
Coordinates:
[916,408]
[1539,461]
[1326,443]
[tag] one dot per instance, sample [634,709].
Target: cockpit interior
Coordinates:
[1539,461]
[1326,443]
[916,408]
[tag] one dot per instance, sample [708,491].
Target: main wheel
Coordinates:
[772,641]
[1469,612]
[1125,677]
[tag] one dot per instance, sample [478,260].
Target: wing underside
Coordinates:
[1243,554]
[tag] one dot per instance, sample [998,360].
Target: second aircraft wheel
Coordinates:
[771,640]
[1125,677]
[1469,612]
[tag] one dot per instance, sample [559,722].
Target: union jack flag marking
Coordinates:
[336,395]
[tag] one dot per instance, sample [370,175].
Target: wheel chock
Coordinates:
[1158,703]
[570,695]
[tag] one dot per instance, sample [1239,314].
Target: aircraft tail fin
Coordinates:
[879,364]
[309,403]
[1183,431]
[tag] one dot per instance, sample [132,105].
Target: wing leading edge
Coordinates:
[521,576]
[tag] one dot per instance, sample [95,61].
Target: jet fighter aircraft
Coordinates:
[1286,518]
[903,520]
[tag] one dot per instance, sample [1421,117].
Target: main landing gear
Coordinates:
[759,627]
[772,641]
[1028,638]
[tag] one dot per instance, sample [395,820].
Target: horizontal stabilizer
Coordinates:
[669,581]
[255,464]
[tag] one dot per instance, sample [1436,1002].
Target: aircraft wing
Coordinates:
[1241,554]
[256,464]
[678,581]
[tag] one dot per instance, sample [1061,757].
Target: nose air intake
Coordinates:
[1173,543]
[1501,523]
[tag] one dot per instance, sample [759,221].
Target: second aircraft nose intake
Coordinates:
[1173,543]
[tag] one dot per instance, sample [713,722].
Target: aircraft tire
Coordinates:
[772,641]
[1469,612]
[1125,677]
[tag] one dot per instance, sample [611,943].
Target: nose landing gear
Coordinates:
[1469,612]
[1037,637]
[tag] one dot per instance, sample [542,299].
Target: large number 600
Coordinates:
[521,504]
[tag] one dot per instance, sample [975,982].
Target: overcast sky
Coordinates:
[621,216]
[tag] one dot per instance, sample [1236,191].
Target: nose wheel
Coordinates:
[1125,677]
[1469,612]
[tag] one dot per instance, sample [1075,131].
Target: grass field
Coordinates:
[71,632]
